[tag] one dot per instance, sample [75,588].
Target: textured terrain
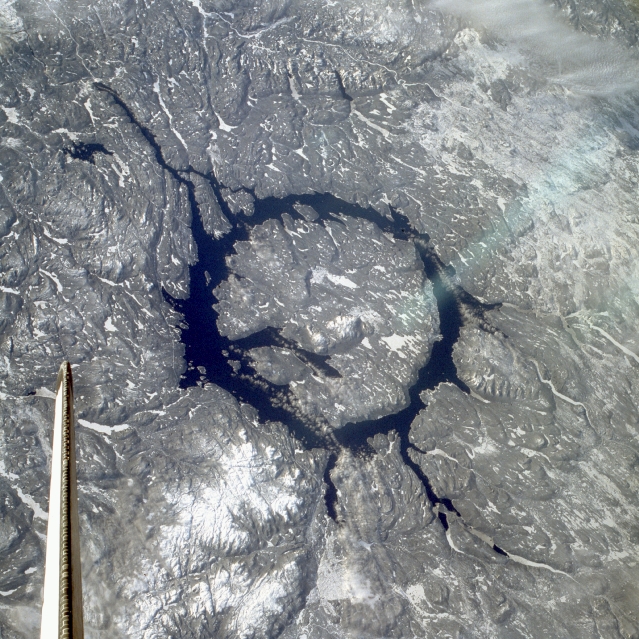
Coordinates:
[338,298]
[350,295]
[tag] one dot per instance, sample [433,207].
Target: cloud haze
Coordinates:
[578,61]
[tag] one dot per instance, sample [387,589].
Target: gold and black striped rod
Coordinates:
[62,600]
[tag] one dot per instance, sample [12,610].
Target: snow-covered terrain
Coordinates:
[254,228]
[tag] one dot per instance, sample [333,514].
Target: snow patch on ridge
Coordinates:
[319,274]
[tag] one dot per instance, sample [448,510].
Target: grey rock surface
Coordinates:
[506,511]
[526,464]
[391,570]
[367,305]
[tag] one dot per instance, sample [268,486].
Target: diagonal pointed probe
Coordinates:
[62,602]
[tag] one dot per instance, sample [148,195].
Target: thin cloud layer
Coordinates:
[578,61]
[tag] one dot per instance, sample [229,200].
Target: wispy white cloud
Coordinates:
[576,60]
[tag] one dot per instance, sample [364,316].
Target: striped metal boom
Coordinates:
[62,601]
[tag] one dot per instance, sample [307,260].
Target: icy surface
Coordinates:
[506,134]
